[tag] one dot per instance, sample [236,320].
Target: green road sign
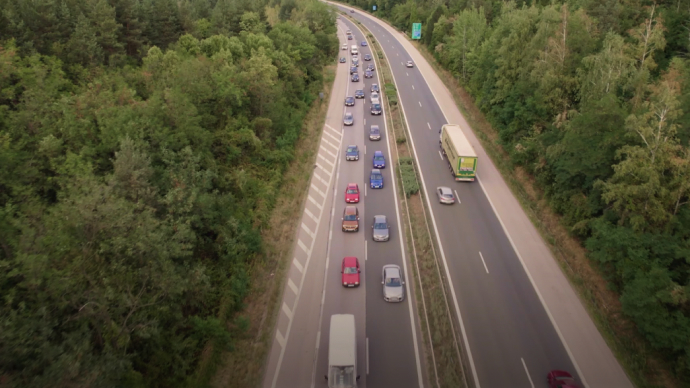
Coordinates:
[416,30]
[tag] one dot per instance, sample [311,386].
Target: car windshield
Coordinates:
[376,176]
[351,149]
[350,270]
[378,157]
[377,106]
[350,217]
[375,130]
[380,225]
[348,116]
[393,282]
[352,191]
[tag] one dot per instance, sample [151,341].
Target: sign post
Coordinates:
[373,8]
[416,30]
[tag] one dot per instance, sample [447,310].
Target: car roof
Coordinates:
[379,219]
[349,260]
[348,114]
[445,190]
[351,185]
[374,127]
[392,270]
[378,153]
[350,209]
[352,146]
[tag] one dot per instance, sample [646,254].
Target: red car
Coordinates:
[350,272]
[561,379]
[352,193]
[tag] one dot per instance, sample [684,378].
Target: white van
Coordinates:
[353,49]
[342,352]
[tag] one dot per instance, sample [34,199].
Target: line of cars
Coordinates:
[391,274]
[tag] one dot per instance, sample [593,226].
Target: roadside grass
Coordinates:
[243,365]
[444,362]
[645,366]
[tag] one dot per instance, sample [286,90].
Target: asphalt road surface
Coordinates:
[387,333]
[515,334]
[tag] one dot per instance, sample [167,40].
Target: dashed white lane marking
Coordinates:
[367,355]
[306,229]
[428,125]
[312,200]
[334,138]
[483,262]
[318,191]
[365,250]
[330,144]
[420,104]
[457,196]
[526,371]
[280,338]
[287,311]
[301,245]
[412,87]
[408,74]
[441,155]
[323,169]
[326,160]
[292,286]
[297,265]
[327,151]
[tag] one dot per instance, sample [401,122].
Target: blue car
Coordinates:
[379,160]
[364,43]
[376,179]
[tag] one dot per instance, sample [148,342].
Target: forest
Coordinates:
[592,97]
[142,145]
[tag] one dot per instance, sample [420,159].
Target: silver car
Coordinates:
[445,195]
[380,229]
[392,280]
[348,119]
[374,133]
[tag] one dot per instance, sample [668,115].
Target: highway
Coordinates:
[520,317]
[388,336]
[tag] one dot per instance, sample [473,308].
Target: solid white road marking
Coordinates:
[312,200]
[306,229]
[441,155]
[311,215]
[484,262]
[297,265]
[326,160]
[365,190]
[292,286]
[365,121]
[325,182]
[365,149]
[318,191]
[327,151]
[280,338]
[457,196]
[335,138]
[301,245]
[365,250]
[329,143]
[526,371]
[323,169]
[287,311]
[328,126]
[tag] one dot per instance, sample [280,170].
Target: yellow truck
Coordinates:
[461,157]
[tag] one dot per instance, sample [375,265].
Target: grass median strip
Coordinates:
[445,365]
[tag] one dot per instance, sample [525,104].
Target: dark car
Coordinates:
[368,74]
[364,43]
[561,379]
[355,77]
[379,160]
[367,57]
[352,11]
[374,133]
[343,59]
[349,37]
[352,153]
[370,67]
[359,93]
[376,179]
[349,101]
[375,109]
[375,88]
[350,272]
[353,69]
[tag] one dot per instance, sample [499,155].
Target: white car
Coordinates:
[375,98]
[344,47]
[409,64]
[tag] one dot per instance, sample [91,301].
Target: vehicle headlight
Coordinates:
[356,283]
[344,283]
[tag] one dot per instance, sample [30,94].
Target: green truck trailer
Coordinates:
[462,159]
